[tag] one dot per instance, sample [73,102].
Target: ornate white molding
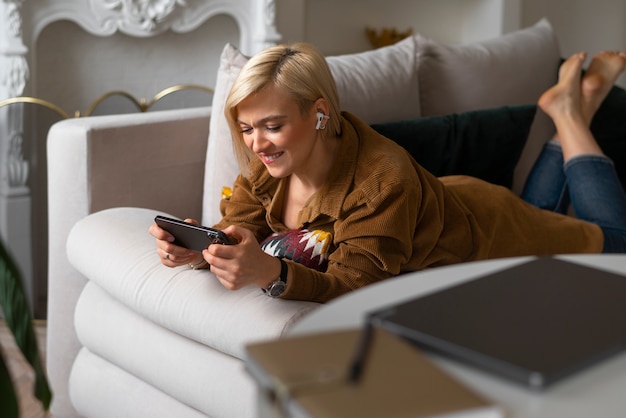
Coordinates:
[267,26]
[16,76]
[14,72]
[14,18]
[144,18]
[17,166]
[139,17]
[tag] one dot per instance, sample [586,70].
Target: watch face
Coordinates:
[276,288]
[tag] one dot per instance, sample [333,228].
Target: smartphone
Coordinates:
[193,237]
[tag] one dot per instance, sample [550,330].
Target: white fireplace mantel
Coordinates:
[23,22]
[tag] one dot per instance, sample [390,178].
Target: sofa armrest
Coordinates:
[151,160]
[188,302]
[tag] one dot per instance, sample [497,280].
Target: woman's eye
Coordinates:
[273,128]
[245,130]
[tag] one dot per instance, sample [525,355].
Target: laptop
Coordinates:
[535,323]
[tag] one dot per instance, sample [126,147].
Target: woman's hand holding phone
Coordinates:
[244,264]
[181,242]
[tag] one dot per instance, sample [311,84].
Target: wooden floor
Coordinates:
[23,375]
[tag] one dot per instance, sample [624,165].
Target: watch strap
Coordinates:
[278,286]
[284,270]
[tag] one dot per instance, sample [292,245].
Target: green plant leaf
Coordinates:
[18,318]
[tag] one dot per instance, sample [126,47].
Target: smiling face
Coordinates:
[301,72]
[274,128]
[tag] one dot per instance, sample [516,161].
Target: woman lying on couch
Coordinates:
[324,204]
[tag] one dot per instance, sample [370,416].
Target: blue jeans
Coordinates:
[589,182]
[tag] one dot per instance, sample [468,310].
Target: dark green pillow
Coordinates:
[484,143]
[609,128]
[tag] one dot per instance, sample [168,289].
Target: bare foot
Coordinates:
[563,103]
[601,74]
[564,98]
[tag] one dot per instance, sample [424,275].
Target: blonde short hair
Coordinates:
[300,70]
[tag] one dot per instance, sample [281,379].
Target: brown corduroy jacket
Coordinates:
[388,215]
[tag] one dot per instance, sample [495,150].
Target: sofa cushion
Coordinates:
[377,86]
[141,356]
[485,143]
[514,68]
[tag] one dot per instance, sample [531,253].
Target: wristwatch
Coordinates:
[278,286]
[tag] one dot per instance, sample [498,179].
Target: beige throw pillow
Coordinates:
[221,166]
[511,69]
[380,85]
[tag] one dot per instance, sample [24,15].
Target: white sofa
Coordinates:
[129,337]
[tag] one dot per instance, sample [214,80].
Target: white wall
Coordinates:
[337,26]
[582,25]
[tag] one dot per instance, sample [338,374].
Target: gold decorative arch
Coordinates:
[34,100]
[142,105]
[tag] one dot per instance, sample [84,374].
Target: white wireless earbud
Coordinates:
[320,118]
